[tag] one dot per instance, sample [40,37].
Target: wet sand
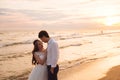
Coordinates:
[96,70]
[112,74]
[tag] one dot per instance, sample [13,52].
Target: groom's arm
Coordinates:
[55,54]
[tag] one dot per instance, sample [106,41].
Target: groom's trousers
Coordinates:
[54,75]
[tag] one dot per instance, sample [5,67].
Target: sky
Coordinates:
[59,14]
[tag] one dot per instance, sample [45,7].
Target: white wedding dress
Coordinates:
[39,72]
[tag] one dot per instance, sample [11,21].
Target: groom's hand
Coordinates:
[52,70]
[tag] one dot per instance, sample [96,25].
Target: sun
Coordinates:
[110,21]
[109,14]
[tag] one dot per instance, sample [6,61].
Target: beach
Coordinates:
[87,33]
[105,69]
[83,56]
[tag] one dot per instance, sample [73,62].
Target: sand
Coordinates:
[94,70]
[112,74]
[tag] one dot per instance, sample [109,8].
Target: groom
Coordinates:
[52,55]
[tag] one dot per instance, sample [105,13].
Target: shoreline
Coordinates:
[62,72]
[112,74]
[91,71]
[99,69]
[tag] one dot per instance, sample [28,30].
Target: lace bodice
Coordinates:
[40,54]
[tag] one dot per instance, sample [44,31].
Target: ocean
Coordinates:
[75,48]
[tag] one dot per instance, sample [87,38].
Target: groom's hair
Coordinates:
[43,33]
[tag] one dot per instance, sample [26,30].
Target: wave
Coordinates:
[66,37]
[70,64]
[70,45]
[16,43]
[1,33]
[58,37]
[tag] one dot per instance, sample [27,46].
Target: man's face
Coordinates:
[44,39]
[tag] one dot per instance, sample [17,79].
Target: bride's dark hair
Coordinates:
[35,49]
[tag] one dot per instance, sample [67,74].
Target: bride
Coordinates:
[39,72]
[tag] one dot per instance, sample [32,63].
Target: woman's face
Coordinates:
[40,45]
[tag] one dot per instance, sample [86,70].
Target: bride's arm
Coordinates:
[45,55]
[39,60]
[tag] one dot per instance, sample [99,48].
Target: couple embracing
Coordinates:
[45,60]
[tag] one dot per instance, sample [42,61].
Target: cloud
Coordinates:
[56,13]
[45,15]
[42,15]
[1,13]
[17,20]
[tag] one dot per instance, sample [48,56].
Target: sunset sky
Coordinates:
[57,14]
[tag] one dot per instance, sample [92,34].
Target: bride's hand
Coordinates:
[45,51]
[52,70]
